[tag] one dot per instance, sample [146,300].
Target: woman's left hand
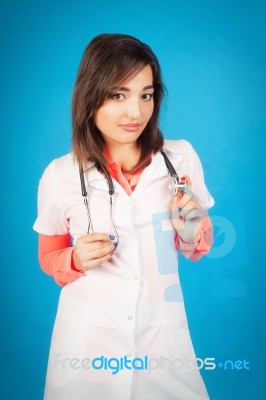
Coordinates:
[187,214]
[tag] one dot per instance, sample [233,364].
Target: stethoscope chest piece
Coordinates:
[175,186]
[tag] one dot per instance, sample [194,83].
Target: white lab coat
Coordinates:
[131,305]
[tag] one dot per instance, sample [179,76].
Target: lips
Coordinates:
[131,127]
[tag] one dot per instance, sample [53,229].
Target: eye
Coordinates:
[117,96]
[147,96]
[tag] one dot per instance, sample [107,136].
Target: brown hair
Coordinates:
[108,60]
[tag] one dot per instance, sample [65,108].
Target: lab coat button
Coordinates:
[136,277]
[130,317]
[129,355]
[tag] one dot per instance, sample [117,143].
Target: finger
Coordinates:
[99,245]
[176,201]
[186,178]
[96,237]
[100,252]
[97,262]
[178,222]
[190,205]
[185,199]
[85,252]
[195,215]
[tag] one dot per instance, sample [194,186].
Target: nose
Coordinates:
[133,109]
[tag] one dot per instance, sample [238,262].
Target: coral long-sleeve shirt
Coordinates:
[56,252]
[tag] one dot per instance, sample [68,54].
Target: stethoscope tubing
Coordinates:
[174,185]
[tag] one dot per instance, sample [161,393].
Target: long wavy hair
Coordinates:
[108,60]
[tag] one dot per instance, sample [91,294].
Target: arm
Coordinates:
[56,258]
[66,263]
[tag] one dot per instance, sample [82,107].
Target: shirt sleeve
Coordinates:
[56,258]
[51,219]
[195,171]
[195,251]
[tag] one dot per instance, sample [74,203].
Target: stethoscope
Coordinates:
[175,186]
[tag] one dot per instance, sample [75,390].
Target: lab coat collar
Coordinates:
[156,169]
[153,171]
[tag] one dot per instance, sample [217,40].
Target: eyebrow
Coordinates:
[125,89]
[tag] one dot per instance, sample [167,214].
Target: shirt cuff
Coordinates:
[196,250]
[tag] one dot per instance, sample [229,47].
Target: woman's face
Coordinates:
[127,110]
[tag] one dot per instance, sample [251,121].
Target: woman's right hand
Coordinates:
[93,249]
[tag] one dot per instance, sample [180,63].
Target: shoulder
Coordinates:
[182,153]
[180,150]
[181,146]
[63,167]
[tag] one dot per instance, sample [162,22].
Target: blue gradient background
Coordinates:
[212,56]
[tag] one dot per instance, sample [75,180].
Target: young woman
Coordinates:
[110,229]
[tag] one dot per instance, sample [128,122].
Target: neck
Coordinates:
[127,155]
